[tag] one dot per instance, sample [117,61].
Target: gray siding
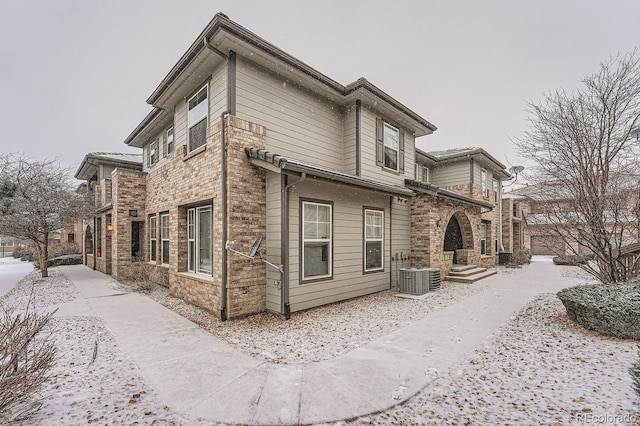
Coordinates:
[368,149]
[348,278]
[451,174]
[273,241]
[401,237]
[350,140]
[299,123]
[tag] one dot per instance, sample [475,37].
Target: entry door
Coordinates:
[453,238]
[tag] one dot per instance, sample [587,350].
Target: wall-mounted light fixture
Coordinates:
[133,212]
[439,223]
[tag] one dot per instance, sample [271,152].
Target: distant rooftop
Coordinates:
[117,156]
[456,152]
[93,160]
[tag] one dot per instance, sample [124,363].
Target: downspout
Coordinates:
[284,237]
[223,178]
[223,201]
[470,176]
[390,242]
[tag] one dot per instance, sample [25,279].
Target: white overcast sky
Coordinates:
[74,75]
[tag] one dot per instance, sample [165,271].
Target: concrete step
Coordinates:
[471,278]
[462,268]
[467,272]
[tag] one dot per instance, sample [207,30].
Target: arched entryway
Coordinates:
[459,234]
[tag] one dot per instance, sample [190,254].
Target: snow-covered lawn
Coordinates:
[539,368]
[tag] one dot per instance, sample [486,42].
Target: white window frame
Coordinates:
[387,144]
[483,237]
[416,172]
[170,140]
[368,239]
[153,152]
[317,240]
[153,238]
[425,174]
[197,119]
[194,242]
[495,185]
[483,182]
[164,238]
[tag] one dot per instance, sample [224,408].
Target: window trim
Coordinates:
[365,240]
[483,225]
[425,174]
[315,278]
[483,182]
[153,238]
[386,125]
[152,154]
[163,239]
[199,119]
[416,172]
[170,143]
[196,240]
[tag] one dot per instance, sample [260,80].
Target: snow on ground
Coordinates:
[539,368]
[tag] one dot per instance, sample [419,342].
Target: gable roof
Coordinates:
[93,160]
[222,35]
[456,154]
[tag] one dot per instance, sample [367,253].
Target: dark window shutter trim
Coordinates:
[379,142]
[401,152]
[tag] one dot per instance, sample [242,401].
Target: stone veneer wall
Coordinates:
[128,189]
[192,179]
[427,239]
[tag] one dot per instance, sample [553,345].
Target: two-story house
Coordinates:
[245,140]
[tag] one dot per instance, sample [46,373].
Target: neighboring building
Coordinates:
[246,140]
[512,224]
[107,176]
[7,244]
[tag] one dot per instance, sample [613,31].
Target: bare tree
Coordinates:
[585,164]
[36,199]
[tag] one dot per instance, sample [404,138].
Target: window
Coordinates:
[416,171]
[71,238]
[137,236]
[316,240]
[483,238]
[99,237]
[373,240]
[391,146]
[483,181]
[153,153]
[197,119]
[164,237]
[153,229]
[496,239]
[425,174]
[199,240]
[495,186]
[169,137]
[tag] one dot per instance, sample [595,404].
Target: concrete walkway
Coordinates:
[200,376]
[11,271]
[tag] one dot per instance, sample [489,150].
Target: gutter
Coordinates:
[284,241]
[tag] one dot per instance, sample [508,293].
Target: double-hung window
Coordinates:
[153,242]
[198,107]
[170,140]
[391,146]
[483,181]
[199,240]
[425,174]
[153,153]
[316,240]
[416,172]
[164,237]
[483,238]
[373,240]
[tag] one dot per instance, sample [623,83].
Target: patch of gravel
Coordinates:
[107,390]
[538,368]
[320,333]
[53,290]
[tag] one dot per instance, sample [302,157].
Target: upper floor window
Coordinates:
[483,181]
[153,153]
[197,114]
[425,174]
[169,137]
[416,171]
[389,146]
[495,185]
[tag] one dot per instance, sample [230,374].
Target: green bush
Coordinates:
[610,309]
[635,373]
